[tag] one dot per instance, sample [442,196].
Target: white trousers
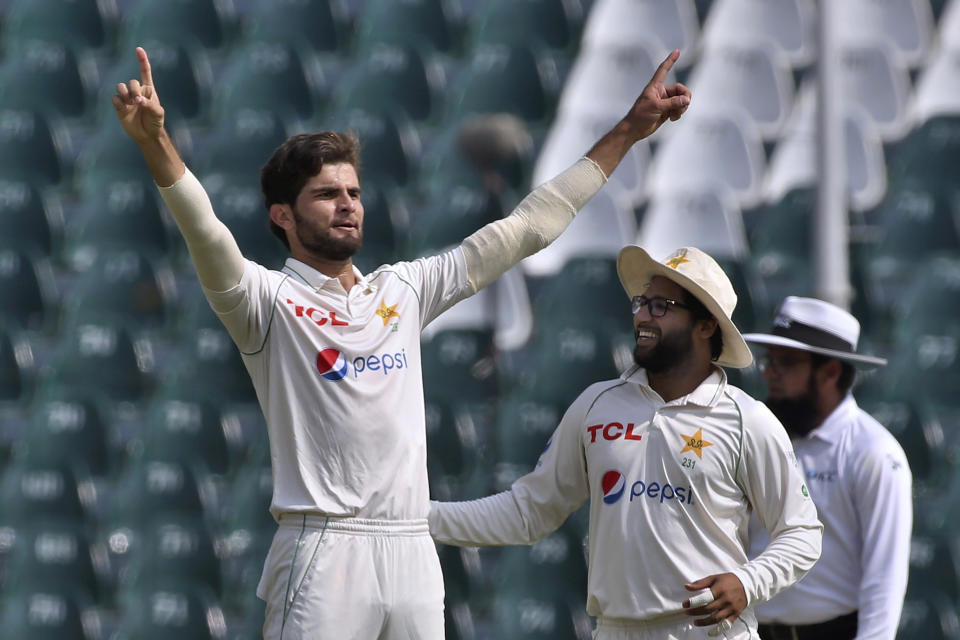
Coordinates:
[349,578]
[674,627]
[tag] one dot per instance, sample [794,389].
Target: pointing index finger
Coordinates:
[660,75]
[146,75]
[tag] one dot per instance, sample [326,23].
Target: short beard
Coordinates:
[799,415]
[672,349]
[322,244]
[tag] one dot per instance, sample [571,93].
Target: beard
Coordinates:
[321,242]
[799,415]
[671,350]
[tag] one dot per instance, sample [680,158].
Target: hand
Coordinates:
[138,106]
[729,599]
[658,102]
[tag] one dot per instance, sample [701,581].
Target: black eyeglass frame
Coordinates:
[658,305]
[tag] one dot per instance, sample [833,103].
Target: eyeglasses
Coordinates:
[658,305]
[781,364]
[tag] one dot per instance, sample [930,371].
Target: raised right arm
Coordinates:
[214,251]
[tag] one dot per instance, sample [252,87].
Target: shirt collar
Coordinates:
[311,277]
[707,394]
[833,426]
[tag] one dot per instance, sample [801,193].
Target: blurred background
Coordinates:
[135,470]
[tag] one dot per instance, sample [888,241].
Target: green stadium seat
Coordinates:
[320,25]
[265,76]
[68,432]
[33,147]
[419,23]
[148,489]
[172,552]
[16,360]
[524,425]
[29,221]
[389,144]
[26,291]
[187,22]
[122,364]
[186,431]
[122,289]
[537,617]
[108,156]
[388,74]
[54,557]
[31,69]
[550,23]
[40,614]
[458,366]
[238,145]
[445,220]
[34,493]
[206,365]
[126,216]
[929,152]
[175,610]
[79,24]
[510,79]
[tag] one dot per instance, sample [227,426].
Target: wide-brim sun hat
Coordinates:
[702,277]
[819,327]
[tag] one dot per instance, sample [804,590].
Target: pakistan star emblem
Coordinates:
[695,443]
[677,260]
[386,312]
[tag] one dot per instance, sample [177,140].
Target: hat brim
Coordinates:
[636,269]
[856,359]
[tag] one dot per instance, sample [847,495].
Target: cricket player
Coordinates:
[673,460]
[334,356]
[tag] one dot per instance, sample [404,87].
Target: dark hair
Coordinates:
[847,371]
[297,160]
[699,311]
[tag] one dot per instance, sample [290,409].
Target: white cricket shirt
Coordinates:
[671,487]
[339,381]
[859,478]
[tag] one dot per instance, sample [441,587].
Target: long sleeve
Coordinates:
[885,509]
[212,247]
[536,222]
[775,488]
[533,507]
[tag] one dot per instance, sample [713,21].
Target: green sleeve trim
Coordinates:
[736,472]
[273,312]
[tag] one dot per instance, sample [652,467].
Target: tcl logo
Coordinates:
[613,431]
[319,316]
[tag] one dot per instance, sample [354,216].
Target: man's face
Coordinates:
[329,214]
[792,393]
[664,342]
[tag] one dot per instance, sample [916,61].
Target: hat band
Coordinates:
[812,336]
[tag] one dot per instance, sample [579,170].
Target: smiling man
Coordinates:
[697,457]
[334,356]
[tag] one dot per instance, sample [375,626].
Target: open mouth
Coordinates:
[646,336]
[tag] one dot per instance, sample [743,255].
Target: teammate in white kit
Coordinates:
[334,356]
[857,473]
[671,450]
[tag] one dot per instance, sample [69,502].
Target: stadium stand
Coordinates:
[122,368]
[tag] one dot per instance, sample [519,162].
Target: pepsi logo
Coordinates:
[613,485]
[331,364]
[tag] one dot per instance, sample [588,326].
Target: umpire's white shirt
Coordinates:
[671,487]
[338,377]
[859,478]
